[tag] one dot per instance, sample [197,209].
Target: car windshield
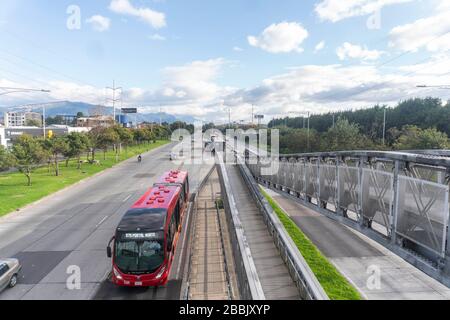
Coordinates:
[139,256]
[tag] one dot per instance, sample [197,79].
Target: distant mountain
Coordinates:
[72,108]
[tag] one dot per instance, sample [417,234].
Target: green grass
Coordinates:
[333,282]
[15,194]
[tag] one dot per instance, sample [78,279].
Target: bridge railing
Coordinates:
[399,199]
[305,280]
[249,284]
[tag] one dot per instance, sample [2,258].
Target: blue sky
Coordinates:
[199,57]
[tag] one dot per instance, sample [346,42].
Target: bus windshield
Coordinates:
[139,256]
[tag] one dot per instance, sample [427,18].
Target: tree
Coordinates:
[345,136]
[139,135]
[28,153]
[296,141]
[56,145]
[7,160]
[125,136]
[107,137]
[414,138]
[77,143]
[33,123]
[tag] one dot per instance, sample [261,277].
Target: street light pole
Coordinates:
[9,90]
[114,100]
[309,144]
[384,126]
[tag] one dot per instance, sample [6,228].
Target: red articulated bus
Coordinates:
[144,244]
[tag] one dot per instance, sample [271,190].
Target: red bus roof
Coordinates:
[174,176]
[157,198]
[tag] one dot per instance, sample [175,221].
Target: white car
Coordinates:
[9,273]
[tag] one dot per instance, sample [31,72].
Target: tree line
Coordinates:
[28,153]
[412,125]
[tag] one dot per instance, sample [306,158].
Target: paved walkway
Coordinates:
[273,274]
[355,255]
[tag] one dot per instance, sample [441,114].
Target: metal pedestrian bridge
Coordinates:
[400,200]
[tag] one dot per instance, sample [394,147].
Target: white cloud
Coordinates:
[352,51]
[284,37]
[320,46]
[157,37]
[154,18]
[238,49]
[99,23]
[337,10]
[327,88]
[194,89]
[431,33]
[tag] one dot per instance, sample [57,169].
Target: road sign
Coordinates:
[129,110]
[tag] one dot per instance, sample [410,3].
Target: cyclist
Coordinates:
[139,158]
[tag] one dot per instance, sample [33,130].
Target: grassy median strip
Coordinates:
[15,194]
[333,282]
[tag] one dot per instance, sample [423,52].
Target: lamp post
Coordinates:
[9,90]
[444,87]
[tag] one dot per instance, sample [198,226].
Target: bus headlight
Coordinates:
[117,274]
[159,275]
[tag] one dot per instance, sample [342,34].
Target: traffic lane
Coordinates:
[88,255]
[172,291]
[17,225]
[81,224]
[36,221]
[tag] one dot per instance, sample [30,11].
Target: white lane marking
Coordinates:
[103,220]
[125,200]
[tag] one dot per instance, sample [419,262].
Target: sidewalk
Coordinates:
[355,255]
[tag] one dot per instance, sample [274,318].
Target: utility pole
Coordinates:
[114,100]
[43,121]
[253,114]
[309,144]
[229,116]
[384,126]
[160,116]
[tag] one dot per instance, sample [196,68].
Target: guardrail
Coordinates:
[399,199]
[305,280]
[248,280]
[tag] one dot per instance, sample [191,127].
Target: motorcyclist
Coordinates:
[140,158]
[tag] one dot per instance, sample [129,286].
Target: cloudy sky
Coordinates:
[201,57]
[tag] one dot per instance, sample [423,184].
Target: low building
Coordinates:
[98,121]
[20,119]
[12,134]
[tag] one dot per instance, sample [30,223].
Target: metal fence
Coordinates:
[401,199]
[305,280]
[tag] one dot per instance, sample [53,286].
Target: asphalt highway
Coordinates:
[71,229]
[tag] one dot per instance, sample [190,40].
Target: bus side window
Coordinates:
[172,229]
[176,214]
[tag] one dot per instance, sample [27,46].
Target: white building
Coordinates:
[3,140]
[20,119]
